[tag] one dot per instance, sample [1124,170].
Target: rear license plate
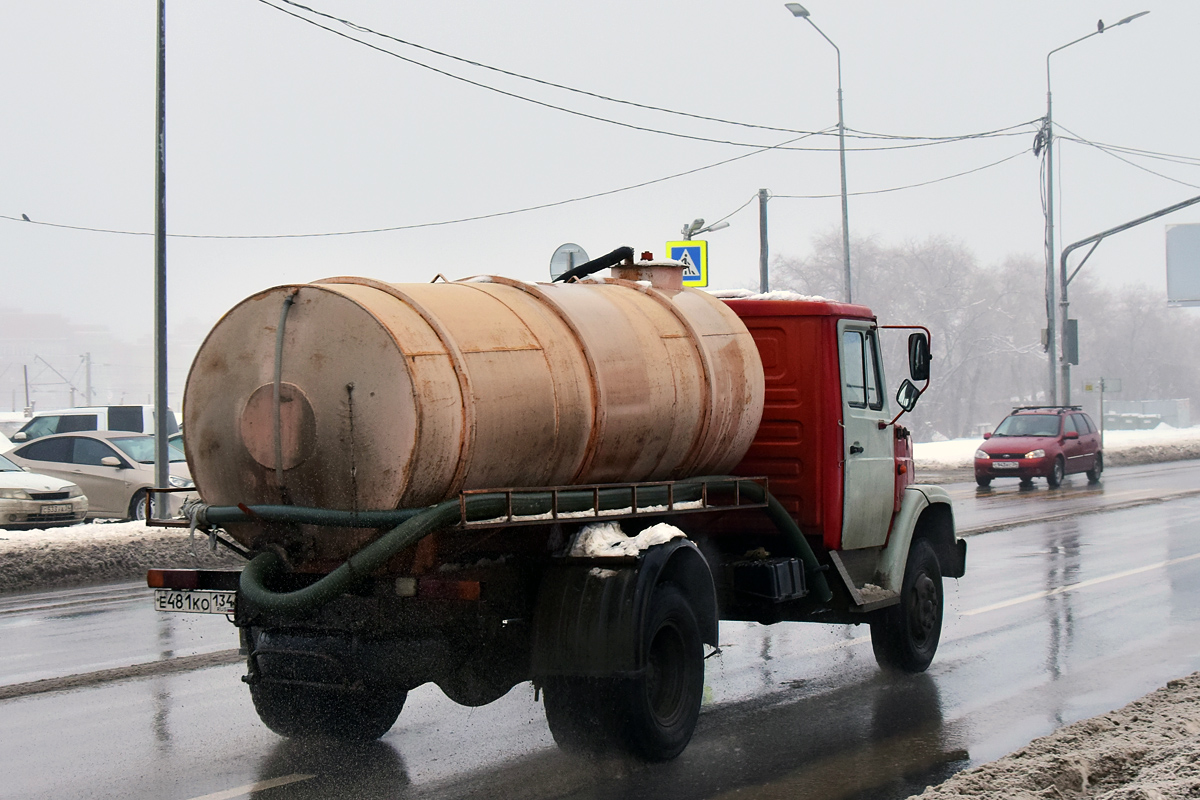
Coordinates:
[1005,465]
[63,508]
[198,601]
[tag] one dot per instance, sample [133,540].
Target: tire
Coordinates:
[1055,478]
[1026,482]
[652,715]
[1093,474]
[137,506]
[905,636]
[307,712]
[982,481]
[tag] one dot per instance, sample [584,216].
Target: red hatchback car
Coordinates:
[1040,442]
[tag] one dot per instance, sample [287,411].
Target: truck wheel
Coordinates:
[1055,478]
[905,636]
[305,712]
[1093,474]
[652,715]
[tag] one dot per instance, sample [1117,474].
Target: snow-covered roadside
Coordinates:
[1148,750]
[99,552]
[953,460]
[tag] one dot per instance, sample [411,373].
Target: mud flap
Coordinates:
[590,614]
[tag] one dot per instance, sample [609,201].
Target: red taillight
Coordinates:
[173,578]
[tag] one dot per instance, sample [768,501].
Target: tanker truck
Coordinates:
[485,482]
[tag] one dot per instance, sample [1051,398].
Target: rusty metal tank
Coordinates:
[402,395]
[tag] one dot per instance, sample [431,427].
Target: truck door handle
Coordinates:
[855,448]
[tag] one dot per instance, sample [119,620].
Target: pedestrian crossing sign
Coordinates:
[693,254]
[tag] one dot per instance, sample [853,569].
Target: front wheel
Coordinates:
[1055,478]
[1093,474]
[652,714]
[137,506]
[905,636]
[983,481]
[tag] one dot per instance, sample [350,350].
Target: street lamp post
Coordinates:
[802,12]
[1047,142]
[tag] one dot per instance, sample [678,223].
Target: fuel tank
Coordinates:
[355,394]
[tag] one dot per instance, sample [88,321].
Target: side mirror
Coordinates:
[1071,435]
[918,356]
[987,436]
[20,437]
[907,394]
[111,461]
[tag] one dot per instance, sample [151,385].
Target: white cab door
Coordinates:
[867,450]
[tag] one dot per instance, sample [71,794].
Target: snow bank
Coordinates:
[961,452]
[1148,750]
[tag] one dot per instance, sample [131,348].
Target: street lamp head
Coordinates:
[796,9]
[1130,18]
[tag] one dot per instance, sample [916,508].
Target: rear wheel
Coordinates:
[1026,482]
[905,636]
[652,715]
[1093,474]
[304,712]
[1055,478]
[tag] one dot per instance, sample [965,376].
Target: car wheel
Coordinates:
[137,506]
[1026,482]
[905,636]
[1093,474]
[983,481]
[1055,478]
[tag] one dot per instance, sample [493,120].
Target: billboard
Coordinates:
[1183,265]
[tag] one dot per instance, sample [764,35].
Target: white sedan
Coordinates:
[30,500]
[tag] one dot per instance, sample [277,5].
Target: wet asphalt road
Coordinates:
[1055,621]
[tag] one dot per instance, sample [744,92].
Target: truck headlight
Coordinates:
[1039,453]
[14,494]
[981,454]
[179,483]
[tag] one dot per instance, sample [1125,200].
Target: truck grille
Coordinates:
[49,495]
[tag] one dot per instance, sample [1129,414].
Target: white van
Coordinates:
[138,419]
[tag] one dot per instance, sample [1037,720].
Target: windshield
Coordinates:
[8,466]
[141,449]
[1028,425]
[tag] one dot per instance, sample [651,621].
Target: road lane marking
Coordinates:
[1018,522]
[1081,585]
[260,786]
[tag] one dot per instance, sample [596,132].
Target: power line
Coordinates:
[413,226]
[1191,161]
[1109,151]
[901,188]
[573,112]
[595,95]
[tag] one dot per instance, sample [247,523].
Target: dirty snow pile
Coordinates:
[99,552]
[1148,750]
[605,539]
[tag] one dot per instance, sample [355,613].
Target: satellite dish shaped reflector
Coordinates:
[567,256]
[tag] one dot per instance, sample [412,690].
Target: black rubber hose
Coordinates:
[597,264]
[265,566]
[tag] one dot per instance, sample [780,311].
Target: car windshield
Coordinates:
[141,449]
[1028,425]
[8,466]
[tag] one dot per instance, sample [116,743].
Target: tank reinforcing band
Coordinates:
[263,567]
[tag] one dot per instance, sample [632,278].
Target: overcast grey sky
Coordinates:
[278,127]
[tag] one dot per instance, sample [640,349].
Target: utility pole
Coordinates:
[87,379]
[161,464]
[764,279]
[28,408]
